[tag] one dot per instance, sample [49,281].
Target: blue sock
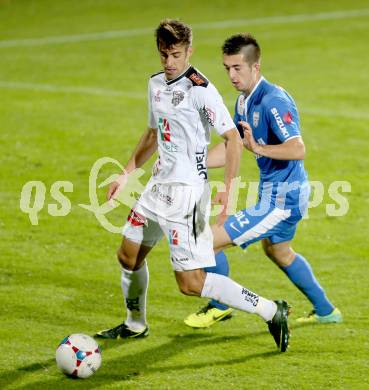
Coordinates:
[301,275]
[221,268]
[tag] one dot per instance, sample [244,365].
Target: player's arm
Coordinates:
[282,119]
[212,109]
[217,156]
[291,149]
[233,151]
[145,148]
[142,152]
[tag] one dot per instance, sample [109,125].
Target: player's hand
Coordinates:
[116,186]
[221,198]
[249,141]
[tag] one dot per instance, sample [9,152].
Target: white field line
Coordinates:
[335,114]
[104,35]
[142,96]
[69,89]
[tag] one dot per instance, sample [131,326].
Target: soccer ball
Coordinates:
[78,355]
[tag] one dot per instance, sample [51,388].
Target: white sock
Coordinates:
[228,292]
[134,286]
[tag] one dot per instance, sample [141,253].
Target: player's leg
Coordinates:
[227,291]
[221,238]
[134,284]
[199,283]
[213,311]
[300,273]
[221,268]
[140,235]
[192,251]
[244,227]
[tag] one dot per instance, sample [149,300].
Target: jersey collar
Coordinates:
[169,82]
[253,92]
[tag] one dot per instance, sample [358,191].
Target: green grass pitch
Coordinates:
[68,99]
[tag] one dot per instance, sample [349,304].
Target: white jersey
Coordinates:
[184,111]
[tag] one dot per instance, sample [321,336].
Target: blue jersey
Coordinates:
[273,117]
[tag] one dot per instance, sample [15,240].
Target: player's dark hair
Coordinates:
[243,43]
[172,32]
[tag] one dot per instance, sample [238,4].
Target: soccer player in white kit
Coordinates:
[183,109]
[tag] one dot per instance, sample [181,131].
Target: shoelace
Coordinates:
[205,309]
[117,329]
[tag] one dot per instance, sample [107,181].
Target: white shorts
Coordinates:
[181,213]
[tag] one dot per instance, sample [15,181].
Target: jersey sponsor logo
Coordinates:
[255,118]
[251,297]
[209,115]
[173,237]
[170,147]
[165,135]
[167,199]
[178,96]
[157,96]
[164,129]
[180,259]
[287,118]
[136,219]
[241,105]
[279,122]
[196,79]
[201,164]
[156,167]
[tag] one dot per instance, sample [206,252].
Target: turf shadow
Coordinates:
[134,365]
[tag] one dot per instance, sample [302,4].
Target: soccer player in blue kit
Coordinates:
[268,121]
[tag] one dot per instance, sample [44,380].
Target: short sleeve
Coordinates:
[210,105]
[283,119]
[151,119]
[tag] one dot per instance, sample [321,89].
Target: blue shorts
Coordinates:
[253,224]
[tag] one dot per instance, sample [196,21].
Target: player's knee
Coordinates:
[268,250]
[281,256]
[125,260]
[185,289]
[190,286]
